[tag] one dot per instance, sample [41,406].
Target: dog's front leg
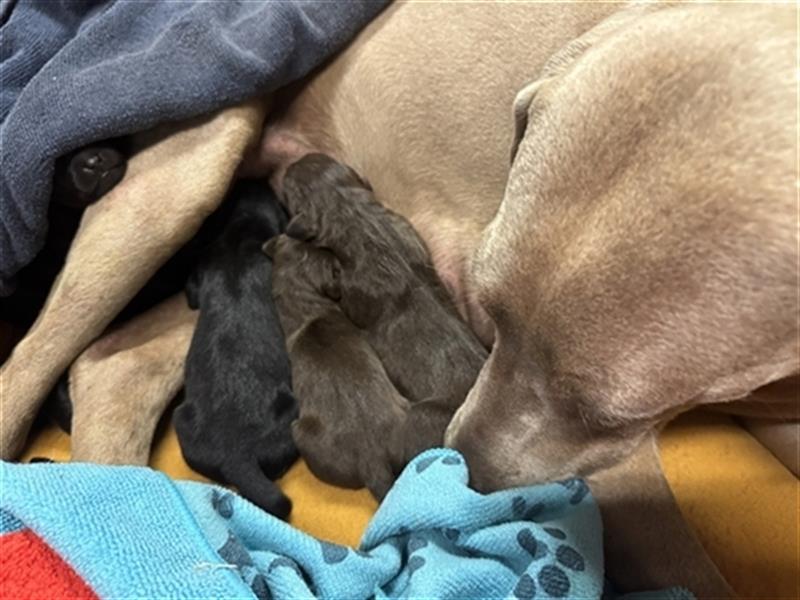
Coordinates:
[647,542]
[168,191]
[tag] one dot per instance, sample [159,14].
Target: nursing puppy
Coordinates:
[83,176]
[350,412]
[389,289]
[234,422]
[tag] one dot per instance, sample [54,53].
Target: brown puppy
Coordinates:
[388,289]
[349,410]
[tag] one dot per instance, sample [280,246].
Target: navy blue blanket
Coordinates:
[73,72]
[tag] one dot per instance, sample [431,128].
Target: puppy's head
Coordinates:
[300,268]
[84,176]
[317,184]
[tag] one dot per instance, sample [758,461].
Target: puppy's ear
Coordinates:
[332,286]
[270,246]
[300,228]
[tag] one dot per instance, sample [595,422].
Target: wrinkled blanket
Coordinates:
[76,72]
[99,531]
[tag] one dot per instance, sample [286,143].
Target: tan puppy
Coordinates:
[121,385]
[123,239]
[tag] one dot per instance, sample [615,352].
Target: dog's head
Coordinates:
[625,271]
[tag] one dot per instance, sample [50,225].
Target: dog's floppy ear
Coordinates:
[300,228]
[521,109]
[563,61]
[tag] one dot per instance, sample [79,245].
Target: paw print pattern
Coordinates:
[530,544]
[232,552]
[260,588]
[551,578]
[524,513]
[518,506]
[556,533]
[333,553]
[222,503]
[578,487]
[525,588]
[415,563]
[425,463]
[570,558]
[553,581]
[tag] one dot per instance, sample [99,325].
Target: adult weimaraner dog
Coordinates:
[638,259]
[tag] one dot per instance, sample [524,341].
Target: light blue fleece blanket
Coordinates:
[130,531]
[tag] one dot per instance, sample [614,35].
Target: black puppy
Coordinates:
[86,174]
[390,290]
[234,422]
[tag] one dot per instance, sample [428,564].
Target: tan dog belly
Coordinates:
[426,118]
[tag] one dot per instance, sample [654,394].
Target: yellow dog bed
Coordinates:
[742,502]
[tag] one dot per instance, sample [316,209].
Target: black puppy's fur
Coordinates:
[389,289]
[350,412]
[234,422]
